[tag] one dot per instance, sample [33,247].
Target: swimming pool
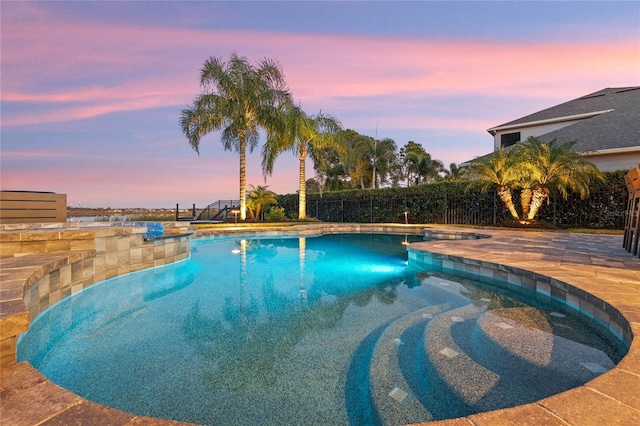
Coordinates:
[324,330]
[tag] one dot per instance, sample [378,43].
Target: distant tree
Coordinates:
[409,155]
[238,98]
[301,134]
[312,185]
[329,168]
[424,168]
[357,162]
[456,172]
[383,157]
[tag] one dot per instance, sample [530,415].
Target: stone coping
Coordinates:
[595,264]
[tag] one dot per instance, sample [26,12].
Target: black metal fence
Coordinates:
[602,209]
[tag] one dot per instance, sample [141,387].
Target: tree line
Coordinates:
[240,99]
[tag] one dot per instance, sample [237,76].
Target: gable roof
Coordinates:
[610,120]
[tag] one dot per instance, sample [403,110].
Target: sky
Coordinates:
[91,92]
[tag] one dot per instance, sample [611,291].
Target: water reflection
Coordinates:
[259,327]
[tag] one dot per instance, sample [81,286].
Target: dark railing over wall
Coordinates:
[451,209]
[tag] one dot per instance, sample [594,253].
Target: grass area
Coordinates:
[597,231]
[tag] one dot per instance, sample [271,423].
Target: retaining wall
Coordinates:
[39,267]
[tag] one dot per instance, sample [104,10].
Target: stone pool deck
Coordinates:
[597,264]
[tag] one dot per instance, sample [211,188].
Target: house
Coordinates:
[604,124]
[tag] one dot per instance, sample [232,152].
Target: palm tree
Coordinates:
[549,166]
[383,157]
[456,172]
[356,158]
[238,98]
[424,168]
[258,197]
[498,169]
[301,134]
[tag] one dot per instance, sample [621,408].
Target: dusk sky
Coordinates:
[91,92]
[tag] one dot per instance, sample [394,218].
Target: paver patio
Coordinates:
[597,264]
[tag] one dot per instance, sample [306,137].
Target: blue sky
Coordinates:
[91,92]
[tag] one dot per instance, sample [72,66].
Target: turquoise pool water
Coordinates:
[335,329]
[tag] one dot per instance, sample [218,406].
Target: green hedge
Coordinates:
[448,203]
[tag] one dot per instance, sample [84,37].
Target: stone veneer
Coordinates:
[41,265]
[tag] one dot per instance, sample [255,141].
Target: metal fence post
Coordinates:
[371,209]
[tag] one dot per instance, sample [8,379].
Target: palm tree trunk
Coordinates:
[243,178]
[505,195]
[373,177]
[302,189]
[539,195]
[525,201]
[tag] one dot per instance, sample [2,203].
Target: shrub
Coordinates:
[274,214]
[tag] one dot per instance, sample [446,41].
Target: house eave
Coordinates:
[611,151]
[582,116]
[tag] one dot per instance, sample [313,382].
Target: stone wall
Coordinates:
[41,267]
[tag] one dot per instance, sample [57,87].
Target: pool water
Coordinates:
[334,329]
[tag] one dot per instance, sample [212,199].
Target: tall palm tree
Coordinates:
[301,134]
[259,197]
[550,166]
[238,98]
[498,169]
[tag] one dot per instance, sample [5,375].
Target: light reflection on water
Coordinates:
[281,330]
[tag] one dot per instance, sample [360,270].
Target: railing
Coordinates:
[602,209]
[185,218]
[218,210]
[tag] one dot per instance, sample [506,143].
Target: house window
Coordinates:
[509,139]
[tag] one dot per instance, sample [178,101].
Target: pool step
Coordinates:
[390,392]
[454,372]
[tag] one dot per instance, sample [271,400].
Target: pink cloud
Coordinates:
[143,68]
[82,70]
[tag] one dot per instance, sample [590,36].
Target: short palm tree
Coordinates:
[552,166]
[498,169]
[301,134]
[456,172]
[258,198]
[238,98]
[424,168]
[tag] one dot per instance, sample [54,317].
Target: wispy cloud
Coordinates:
[144,68]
